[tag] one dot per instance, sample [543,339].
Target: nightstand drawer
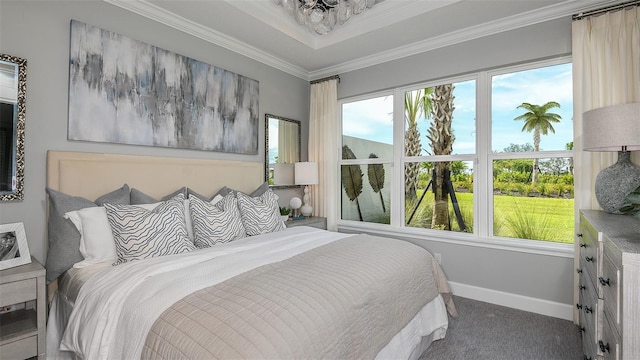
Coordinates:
[20,349]
[18,292]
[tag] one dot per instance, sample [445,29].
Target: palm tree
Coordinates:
[538,119]
[416,104]
[441,138]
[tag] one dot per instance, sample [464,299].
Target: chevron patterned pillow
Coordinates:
[260,214]
[215,223]
[140,233]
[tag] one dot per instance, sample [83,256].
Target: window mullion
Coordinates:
[397,183]
[483,186]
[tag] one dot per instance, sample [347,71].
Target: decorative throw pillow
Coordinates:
[215,223]
[139,198]
[64,238]
[257,192]
[261,214]
[139,233]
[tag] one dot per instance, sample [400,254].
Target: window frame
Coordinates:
[482,170]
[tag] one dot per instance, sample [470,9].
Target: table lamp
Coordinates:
[306,173]
[614,128]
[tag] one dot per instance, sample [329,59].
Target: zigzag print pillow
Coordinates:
[215,224]
[260,214]
[139,233]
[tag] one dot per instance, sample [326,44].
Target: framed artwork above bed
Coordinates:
[125,91]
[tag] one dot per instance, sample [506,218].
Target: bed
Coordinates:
[205,269]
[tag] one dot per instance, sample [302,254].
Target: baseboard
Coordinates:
[515,301]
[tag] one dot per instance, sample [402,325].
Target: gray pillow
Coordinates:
[191,193]
[255,193]
[137,197]
[64,238]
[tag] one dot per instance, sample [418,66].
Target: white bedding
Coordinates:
[127,299]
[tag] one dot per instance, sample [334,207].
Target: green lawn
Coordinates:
[538,218]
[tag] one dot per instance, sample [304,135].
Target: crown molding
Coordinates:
[551,12]
[153,12]
[533,17]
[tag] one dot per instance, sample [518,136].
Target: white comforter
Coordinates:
[131,296]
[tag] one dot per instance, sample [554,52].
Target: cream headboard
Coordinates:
[91,175]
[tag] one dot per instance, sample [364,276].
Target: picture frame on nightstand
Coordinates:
[14,249]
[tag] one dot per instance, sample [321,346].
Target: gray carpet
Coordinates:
[492,332]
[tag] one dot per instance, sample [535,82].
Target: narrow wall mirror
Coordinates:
[282,149]
[13,85]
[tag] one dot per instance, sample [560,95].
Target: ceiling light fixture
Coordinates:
[321,16]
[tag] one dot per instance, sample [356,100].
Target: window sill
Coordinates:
[520,245]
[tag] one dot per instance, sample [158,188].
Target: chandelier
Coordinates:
[321,16]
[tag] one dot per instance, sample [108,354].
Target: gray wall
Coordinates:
[537,276]
[39,32]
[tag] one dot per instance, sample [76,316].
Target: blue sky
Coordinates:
[372,119]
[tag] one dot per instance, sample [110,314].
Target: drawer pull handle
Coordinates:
[587,358]
[604,282]
[579,234]
[578,306]
[579,271]
[589,258]
[582,287]
[581,329]
[603,347]
[588,309]
[583,245]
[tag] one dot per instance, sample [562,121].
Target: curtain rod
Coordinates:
[325,79]
[623,5]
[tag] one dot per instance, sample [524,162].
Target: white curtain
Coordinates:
[323,149]
[288,142]
[606,71]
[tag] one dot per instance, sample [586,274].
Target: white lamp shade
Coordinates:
[306,173]
[610,128]
[283,174]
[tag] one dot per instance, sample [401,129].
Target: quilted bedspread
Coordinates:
[345,299]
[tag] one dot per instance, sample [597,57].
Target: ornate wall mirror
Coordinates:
[13,91]
[282,149]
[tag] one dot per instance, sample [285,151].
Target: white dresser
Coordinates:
[609,284]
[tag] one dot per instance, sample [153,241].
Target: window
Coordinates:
[486,156]
[367,153]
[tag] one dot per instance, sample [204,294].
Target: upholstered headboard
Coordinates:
[93,174]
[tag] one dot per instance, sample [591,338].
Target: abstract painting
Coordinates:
[128,92]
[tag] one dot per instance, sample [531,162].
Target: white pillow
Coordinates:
[96,240]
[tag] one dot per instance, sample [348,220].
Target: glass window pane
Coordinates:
[541,101]
[420,111]
[366,193]
[455,211]
[367,127]
[540,210]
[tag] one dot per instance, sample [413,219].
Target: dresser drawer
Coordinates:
[610,282]
[588,340]
[587,306]
[18,291]
[609,342]
[20,349]
[590,247]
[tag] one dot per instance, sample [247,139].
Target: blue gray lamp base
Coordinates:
[617,181]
